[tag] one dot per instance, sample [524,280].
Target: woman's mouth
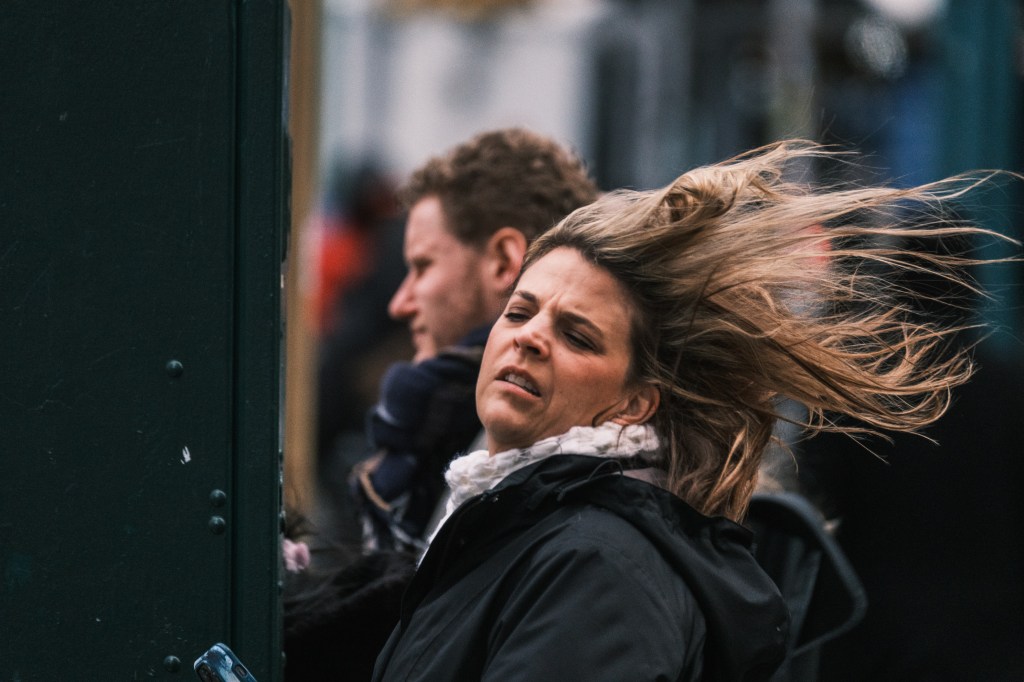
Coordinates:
[522,382]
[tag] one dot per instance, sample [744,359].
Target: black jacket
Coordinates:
[569,570]
[426,412]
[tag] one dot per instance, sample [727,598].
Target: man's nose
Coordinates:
[401,307]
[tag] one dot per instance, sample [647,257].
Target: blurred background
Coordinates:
[644,90]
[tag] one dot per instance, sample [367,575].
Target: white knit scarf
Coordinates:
[477,472]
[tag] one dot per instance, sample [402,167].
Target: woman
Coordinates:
[628,393]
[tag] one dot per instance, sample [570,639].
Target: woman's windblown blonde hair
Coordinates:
[751,287]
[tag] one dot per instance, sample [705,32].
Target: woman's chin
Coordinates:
[500,440]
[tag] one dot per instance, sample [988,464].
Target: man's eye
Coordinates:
[418,266]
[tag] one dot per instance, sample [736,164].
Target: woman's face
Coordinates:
[559,356]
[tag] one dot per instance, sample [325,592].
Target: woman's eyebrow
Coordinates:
[530,298]
[580,320]
[571,317]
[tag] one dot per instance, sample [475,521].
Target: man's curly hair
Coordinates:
[503,178]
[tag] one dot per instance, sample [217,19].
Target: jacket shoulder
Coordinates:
[609,590]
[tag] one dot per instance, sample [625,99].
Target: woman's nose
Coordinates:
[532,338]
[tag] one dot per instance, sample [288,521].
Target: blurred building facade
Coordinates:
[647,88]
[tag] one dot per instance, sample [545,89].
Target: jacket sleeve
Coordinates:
[587,608]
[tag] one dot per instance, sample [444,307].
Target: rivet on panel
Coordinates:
[217,525]
[175,369]
[218,498]
[172,664]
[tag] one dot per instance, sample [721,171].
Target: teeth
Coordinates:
[521,382]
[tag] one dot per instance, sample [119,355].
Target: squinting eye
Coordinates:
[579,341]
[515,316]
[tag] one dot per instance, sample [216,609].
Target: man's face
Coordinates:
[443,296]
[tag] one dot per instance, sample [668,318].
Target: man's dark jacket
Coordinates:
[570,570]
[426,413]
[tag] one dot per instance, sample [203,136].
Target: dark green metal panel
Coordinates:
[141,212]
[262,209]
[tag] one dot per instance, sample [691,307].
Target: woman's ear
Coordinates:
[505,251]
[640,406]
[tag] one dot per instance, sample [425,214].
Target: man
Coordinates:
[472,213]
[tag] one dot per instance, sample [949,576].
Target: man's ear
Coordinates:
[505,251]
[639,406]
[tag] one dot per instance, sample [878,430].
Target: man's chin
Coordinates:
[424,351]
